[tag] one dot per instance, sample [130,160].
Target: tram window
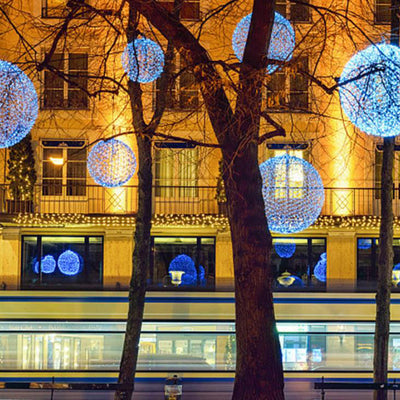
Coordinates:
[182,263]
[367,264]
[299,263]
[62,262]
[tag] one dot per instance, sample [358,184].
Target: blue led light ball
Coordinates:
[281,44]
[320,268]
[396,275]
[285,250]
[364,243]
[111,163]
[293,193]
[18,104]
[143,60]
[287,280]
[69,263]
[47,265]
[372,99]
[186,264]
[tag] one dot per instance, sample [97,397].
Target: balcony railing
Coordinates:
[93,199]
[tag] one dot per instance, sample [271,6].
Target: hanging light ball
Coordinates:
[396,275]
[371,100]
[285,250]
[293,193]
[47,265]
[320,268]
[186,264]
[143,60]
[281,44]
[286,279]
[18,104]
[364,244]
[69,263]
[111,163]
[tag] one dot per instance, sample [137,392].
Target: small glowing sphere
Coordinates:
[281,44]
[18,104]
[372,99]
[364,244]
[47,265]
[396,275]
[287,279]
[111,163]
[320,268]
[186,264]
[293,193]
[69,263]
[143,60]
[285,250]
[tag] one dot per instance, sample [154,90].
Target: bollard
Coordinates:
[173,388]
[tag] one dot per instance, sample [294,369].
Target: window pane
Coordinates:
[62,262]
[382,12]
[299,12]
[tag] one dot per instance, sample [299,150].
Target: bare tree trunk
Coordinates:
[141,260]
[385,264]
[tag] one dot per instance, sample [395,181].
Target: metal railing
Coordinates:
[94,199]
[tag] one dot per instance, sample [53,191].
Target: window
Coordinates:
[299,263]
[192,257]
[367,263]
[60,9]
[190,10]
[71,93]
[62,262]
[176,170]
[64,168]
[184,95]
[382,11]
[289,90]
[299,13]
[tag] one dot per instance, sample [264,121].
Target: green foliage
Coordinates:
[21,170]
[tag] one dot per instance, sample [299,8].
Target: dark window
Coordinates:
[367,264]
[62,262]
[289,90]
[64,169]
[299,263]
[193,259]
[61,8]
[382,11]
[299,13]
[69,93]
[190,10]
[184,94]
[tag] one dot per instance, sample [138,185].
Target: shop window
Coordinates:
[382,12]
[190,10]
[182,262]
[184,94]
[60,9]
[62,262]
[176,171]
[367,263]
[66,82]
[64,168]
[299,263]
[289,90]
[298,13]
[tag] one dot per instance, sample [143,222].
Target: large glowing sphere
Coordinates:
[111,163]
[69,263]
[285,249]
[281,44]
[47,265]
[143,60]
[18,104]
[293,193]
[320,268]
[370,90]
[184,263]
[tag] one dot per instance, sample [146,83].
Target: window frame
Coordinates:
[195,5]
[384,4]
[45,14]
[63,146]
[288,6]
[67,85]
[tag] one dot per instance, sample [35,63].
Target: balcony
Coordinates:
[97,200]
